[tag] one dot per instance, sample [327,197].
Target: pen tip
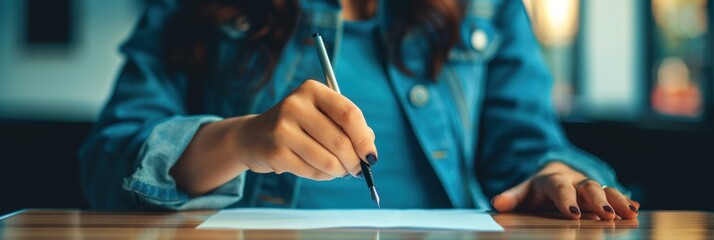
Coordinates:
[315,35]
[375,196]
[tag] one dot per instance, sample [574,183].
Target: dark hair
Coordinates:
[191,31]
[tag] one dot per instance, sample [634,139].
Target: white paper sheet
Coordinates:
[295,219]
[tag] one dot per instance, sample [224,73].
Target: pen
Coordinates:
[332,84]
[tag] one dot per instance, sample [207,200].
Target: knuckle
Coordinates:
[278,171]
[290,104]
[340,142]
[310,84]
[349,112]
[281,120]
[557,177]
[332,165]
[591,184]
[614,192]
[273,155]
[281,130]
[561,186]
[365,142]
[317,175]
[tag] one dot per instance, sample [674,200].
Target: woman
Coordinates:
[215,103]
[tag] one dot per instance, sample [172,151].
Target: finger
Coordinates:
[291,162]
[594,196]
[619,202]
[331,137]
[634,203]
[584,206]
[348,116]
[562,192]
[312,152]
[511,198]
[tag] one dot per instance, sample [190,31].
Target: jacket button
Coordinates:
[236,28]
[479,40]
[419,95]
[242,23]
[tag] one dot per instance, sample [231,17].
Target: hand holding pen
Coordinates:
[314,133]
[332,83]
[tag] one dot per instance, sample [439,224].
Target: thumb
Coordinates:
[510,199]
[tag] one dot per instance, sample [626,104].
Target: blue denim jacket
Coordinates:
[485,125]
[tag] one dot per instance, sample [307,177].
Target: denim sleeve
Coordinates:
[520,131]
[151,182]
[143,129]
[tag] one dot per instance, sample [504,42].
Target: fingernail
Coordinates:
[347,175]
[607,208]
[359,174]
[574,210]
[634,209]
[371,159]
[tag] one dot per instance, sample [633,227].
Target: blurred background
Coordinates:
[633,86]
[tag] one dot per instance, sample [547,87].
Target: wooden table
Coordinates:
[75,224]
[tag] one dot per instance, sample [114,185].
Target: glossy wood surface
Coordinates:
[74,224]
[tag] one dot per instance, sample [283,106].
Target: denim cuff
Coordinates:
[151,183]
[585,163]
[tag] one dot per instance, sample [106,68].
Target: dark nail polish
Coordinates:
[371,159]
[574,210]
[634,209]
[359,174]
[608,209]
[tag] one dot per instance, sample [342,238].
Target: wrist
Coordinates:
[236,145]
